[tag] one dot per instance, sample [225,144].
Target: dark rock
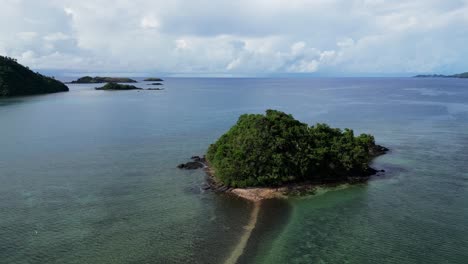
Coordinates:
[191,165]
[353,180]
[222,189]
[378,150]
[198,159]
[370,171]
[196,163]
[155,89]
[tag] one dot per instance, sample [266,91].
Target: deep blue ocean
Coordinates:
[90,176]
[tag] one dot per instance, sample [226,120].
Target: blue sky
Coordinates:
[238,38]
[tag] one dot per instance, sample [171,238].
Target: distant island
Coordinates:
[459,75]
[97,79]
[154,84]
[153,80]
[18,80]
[154,89]
[116,86]
[120,87]
[265,156]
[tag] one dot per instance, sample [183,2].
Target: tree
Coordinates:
[275,148]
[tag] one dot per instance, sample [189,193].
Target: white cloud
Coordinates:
[238,37]
[28,55]
[347,42]
[68,11]
[57,36]
[304,66]
[181,44]
[298,47]
[149,22]
[328,56]
[234,64]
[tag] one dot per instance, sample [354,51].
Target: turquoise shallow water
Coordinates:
[89,176]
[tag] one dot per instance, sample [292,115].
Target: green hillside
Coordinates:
[17,80]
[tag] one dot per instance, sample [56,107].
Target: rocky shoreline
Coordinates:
[256,194]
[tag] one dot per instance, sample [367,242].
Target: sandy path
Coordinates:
[239,249]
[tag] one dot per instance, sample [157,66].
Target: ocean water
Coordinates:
[90,176]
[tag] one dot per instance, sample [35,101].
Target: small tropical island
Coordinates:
[97,79]
[116,86]
[120,87]
[459,75]
[18,80]
[273,155]
[153,80]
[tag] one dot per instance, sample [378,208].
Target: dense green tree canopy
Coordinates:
[15,80]
[274,149]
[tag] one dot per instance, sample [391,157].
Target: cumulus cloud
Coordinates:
[238,37]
